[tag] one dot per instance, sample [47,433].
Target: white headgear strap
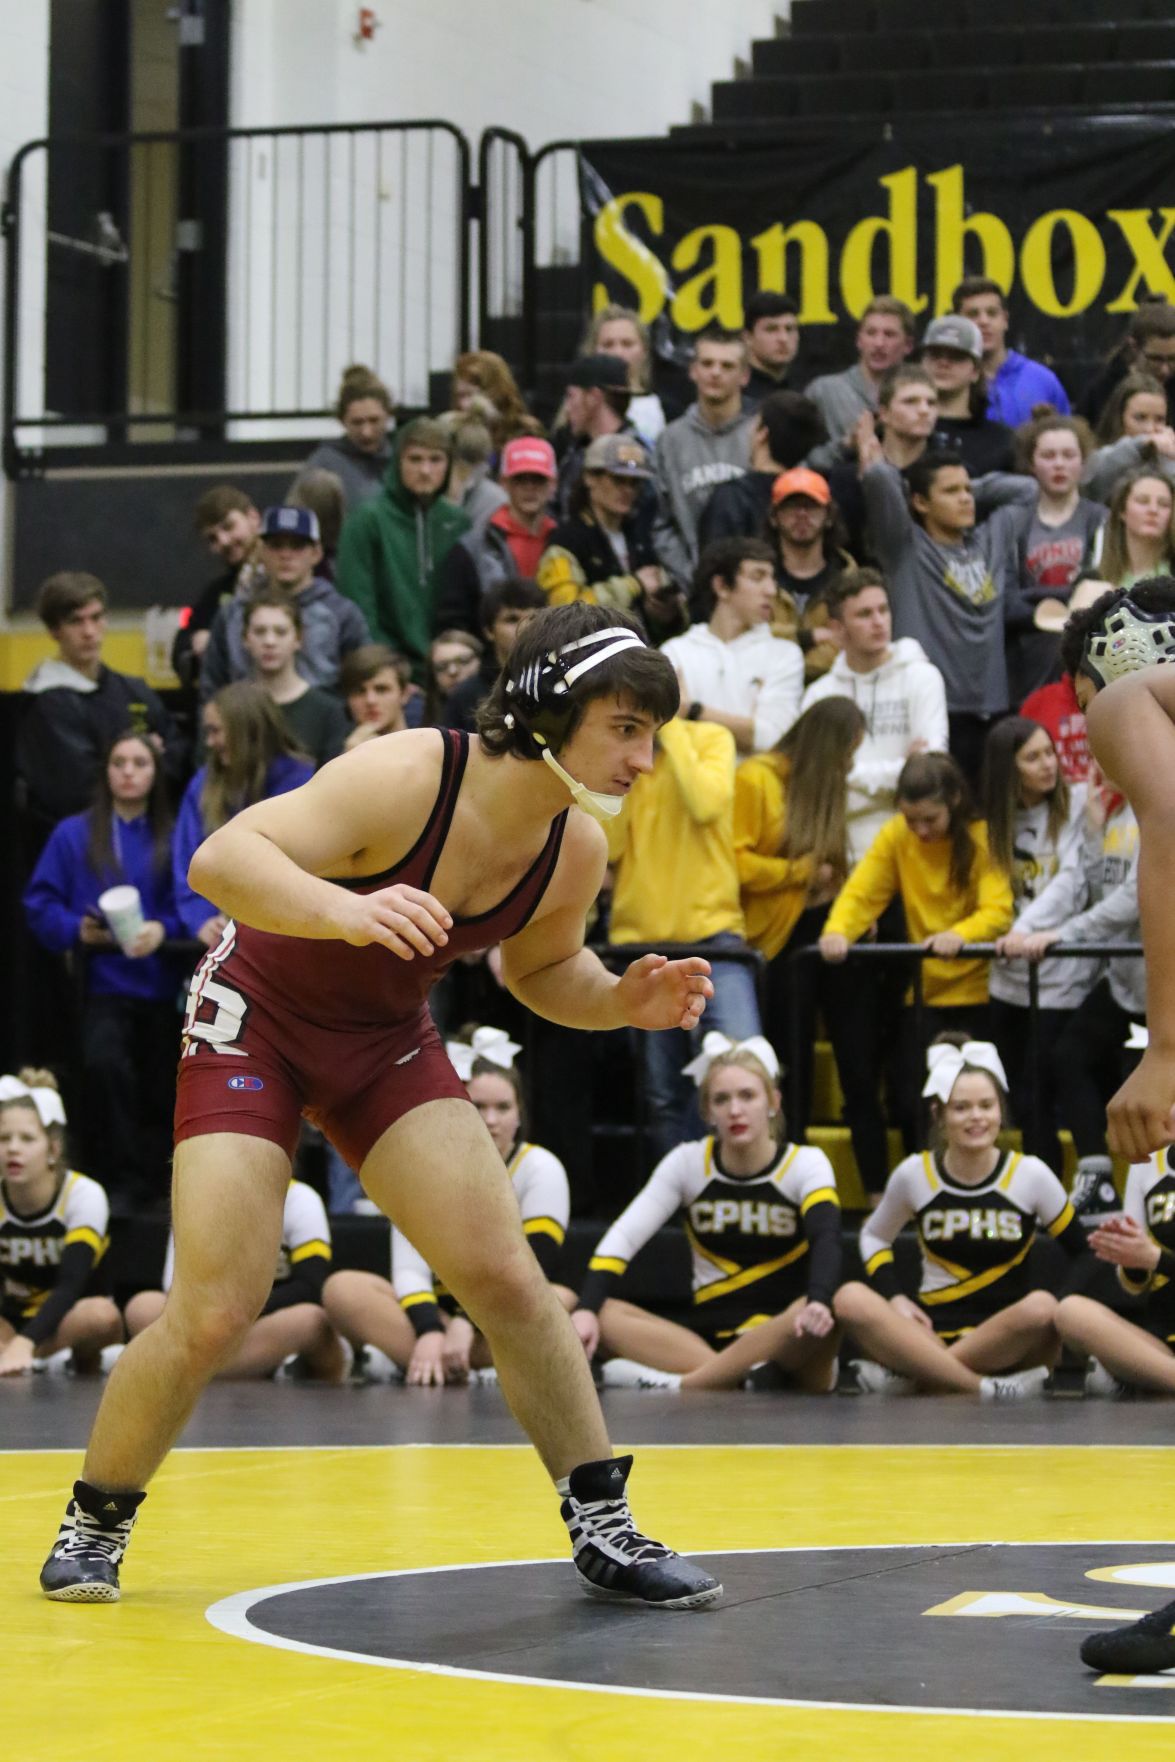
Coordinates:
[717,1045]
[48,1103]
[946,1064]
[618,637]
[492,1044]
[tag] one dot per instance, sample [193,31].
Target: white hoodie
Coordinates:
[754,674]
[903,701]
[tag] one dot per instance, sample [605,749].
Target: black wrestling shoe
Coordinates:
[612,1559]
[1093,1194]
[1141,1649]
[83,1567]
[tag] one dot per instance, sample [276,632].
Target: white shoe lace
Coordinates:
[608,1525]
[89,1536]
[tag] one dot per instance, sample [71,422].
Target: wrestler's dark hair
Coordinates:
[1154,595]
[641,676]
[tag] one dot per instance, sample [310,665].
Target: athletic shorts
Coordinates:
[352,1083]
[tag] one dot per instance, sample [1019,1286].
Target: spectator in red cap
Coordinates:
[804,531]
[509,545]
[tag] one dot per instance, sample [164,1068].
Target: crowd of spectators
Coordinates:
[861,584]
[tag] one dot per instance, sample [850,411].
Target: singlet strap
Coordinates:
[432,840]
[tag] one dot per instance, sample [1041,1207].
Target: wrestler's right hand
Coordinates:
[403,919]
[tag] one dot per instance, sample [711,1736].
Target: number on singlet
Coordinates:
[216,1014]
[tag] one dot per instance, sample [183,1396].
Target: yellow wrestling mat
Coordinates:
[153,1680]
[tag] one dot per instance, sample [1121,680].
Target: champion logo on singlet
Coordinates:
[245,1082]
[408,1056]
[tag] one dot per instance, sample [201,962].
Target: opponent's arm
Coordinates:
[547,967]
[266,867]
[1132,736]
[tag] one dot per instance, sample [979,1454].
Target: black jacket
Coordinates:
[64,735]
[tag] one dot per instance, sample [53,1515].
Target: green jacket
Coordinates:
[389,558]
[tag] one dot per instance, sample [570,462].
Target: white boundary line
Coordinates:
[647,1444]
[231,1616]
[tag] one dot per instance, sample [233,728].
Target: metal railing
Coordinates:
[914,954]
[218,280]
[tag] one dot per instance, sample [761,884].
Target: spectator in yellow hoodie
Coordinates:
[933,854]
[791,847]
[676,880]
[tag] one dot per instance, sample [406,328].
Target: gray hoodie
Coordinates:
[904,705]
[692,459]
[1105,468]
[950,598]
[331,627]
[842,399]
[361,474]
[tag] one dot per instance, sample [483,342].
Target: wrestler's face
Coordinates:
[496,1102]
[612,746]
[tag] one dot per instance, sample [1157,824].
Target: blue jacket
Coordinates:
[284,774]
[64,886]
[1021,383]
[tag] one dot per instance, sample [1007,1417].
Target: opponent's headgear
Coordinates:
[1129,639]
[542,702]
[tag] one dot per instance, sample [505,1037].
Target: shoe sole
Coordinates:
[696,1600]
[91,1593]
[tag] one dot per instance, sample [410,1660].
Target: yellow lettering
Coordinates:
[630,256]
[900,229]
[1036,263]
[812,243]
[1149,262]
[715,294]
[952,225]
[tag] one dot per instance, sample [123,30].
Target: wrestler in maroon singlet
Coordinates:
[278,1026]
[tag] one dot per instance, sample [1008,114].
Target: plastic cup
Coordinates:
[123,910]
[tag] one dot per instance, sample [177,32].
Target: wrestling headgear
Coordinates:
[1128,640]
[542,702]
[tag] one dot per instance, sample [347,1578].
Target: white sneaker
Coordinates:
[626,1373]
[1017,1385]
[376,1367]
[365,1207]
[487,1374]
[1101,1384]
[875,1379]
[110,1356]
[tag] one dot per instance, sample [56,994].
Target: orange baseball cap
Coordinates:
[800,482]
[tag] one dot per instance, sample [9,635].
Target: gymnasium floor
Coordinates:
[904,1579]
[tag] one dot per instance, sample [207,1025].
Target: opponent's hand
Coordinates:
[907,1307]
[814,1321]
[656,992]
[1123,1242]
[404,919]
[17,1356]
[1141,1117]
[587,1325]
[426,1367]
[458,1344]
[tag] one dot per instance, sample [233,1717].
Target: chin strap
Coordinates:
[601,807]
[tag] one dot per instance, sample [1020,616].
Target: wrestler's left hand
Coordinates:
[404,919]
[659,993]
[1141,1117]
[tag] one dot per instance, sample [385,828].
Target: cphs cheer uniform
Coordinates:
[974,1240]
[304,1258]
[544,1200]
[281,1026]
[757,1242]
[46,1260]
[1150,1201]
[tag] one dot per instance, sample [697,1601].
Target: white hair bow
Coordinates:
[492,1044]
[48,1103]
[1139,1037]
[715,1045]
[945,1065]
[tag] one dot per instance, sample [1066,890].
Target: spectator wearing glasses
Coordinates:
[952,354]
[453,657]
[1147,347]
[1015,383]
[331,625]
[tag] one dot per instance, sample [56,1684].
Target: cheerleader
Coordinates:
[977,1326]
[293,1323]
[52,1236]
[414,1322]
[762,1218]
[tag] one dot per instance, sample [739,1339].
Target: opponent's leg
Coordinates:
[364,1309]
[1017,1337]
[1127,1351]
[437,1174]
[227,1199]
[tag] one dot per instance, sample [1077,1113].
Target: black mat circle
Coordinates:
[849,1626]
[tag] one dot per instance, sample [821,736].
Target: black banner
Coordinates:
[1068,216]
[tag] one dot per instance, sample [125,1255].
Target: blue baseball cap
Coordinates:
[293,522]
